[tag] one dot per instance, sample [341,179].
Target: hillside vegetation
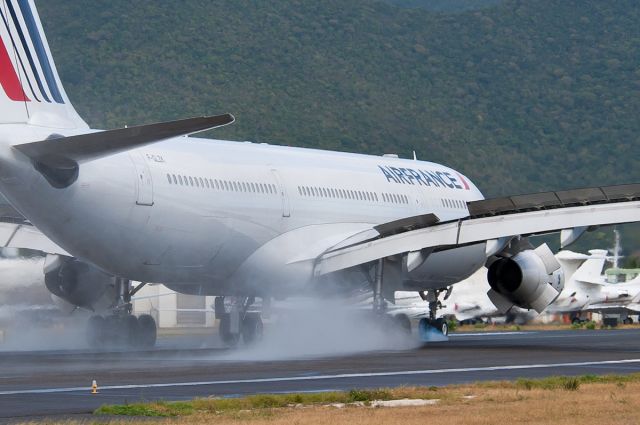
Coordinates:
[520,95]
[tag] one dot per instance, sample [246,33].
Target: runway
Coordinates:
[58,382]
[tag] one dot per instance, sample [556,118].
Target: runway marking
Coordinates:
[322,377]
[453,335]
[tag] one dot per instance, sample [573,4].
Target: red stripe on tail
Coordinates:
[464,182]
[8,77]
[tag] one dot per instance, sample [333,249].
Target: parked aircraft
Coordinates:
[244,220]
[591,290]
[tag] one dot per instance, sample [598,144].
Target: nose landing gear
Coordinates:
[428,325]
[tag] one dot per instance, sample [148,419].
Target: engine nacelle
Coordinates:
[79,284]
[531,279]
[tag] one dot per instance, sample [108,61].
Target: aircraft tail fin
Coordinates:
[30,89]
[591,270]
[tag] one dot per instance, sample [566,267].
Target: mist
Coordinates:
[29,319]
[311,328]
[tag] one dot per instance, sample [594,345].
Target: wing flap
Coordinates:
[483,228]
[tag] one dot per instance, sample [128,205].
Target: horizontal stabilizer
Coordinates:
[90,146]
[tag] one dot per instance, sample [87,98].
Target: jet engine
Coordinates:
[530,279]
[79,284]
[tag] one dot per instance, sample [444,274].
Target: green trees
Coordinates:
[521,96]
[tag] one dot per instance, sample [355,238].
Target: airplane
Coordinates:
[589,290]
[243,220]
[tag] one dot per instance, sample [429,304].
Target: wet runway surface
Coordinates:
[58,382]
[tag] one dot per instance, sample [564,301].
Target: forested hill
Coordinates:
[521,95]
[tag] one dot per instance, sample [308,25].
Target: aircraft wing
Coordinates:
[495,221]
[17,232]
[613,308]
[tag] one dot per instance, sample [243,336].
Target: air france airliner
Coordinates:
[242,220]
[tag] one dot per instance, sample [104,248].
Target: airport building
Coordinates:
[173,310]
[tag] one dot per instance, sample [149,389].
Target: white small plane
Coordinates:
[589,290]
[247,220]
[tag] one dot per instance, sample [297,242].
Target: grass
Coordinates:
[499,394]
[261,401]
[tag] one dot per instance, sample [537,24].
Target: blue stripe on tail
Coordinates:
[40,50]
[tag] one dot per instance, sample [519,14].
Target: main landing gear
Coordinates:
[121,329]
[426,326]
[237,321]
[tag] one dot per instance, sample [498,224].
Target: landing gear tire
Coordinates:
[95,331]
[402,323]
[442,326]
[130,330]
[147,331]
[229,338]
[252,329]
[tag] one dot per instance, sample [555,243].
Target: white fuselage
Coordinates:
[215,215]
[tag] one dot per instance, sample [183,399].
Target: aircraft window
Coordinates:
[190,181]
[169,178]
[406,200]
[326,192]
[369,197]
[180,179]
[299,190]
[206,182]
[175,181]
[375,195]
[273,188]
[196,180]
[246,187]
[360,195]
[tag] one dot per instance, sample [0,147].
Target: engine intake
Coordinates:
[531,279]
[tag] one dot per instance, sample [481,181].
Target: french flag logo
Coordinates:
[26,73]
